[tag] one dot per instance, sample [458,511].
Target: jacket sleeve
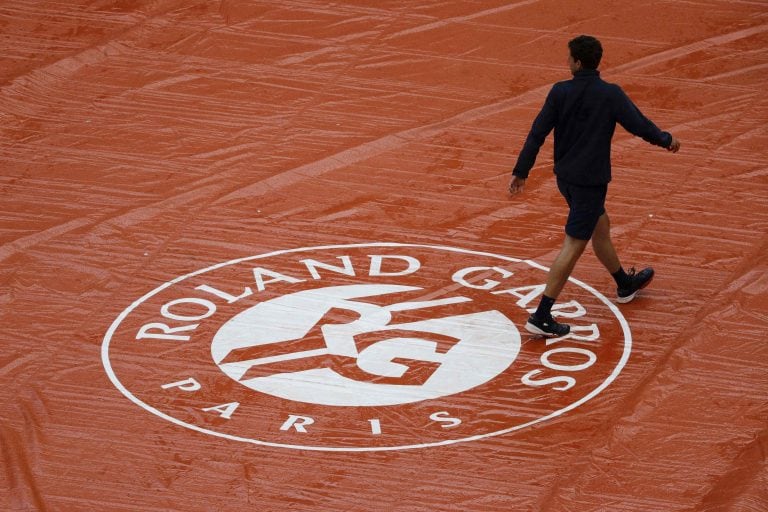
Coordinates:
[630,117]
[542,125]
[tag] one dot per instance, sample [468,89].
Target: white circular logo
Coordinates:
[364,344]
[362,347]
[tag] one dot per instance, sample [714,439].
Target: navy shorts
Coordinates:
[586,205]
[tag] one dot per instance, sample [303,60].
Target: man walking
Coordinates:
[583,112]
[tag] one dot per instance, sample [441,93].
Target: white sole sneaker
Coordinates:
[533,329]
[628,298]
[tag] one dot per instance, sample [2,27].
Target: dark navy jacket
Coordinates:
[584,112]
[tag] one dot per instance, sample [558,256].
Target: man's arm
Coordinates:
[630,117]
[541,127]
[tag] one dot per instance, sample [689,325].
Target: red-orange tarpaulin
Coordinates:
[261,255]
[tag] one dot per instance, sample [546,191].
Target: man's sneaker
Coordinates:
[548,327]
[637,281]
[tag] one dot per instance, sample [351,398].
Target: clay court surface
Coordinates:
[261,256]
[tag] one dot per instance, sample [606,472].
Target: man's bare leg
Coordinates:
[563,265]
[603,246]
[627,284]
[541,322]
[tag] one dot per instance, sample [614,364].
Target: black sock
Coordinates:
[621,278]
[543,312]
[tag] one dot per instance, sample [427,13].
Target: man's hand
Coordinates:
[516,185]
[674,146]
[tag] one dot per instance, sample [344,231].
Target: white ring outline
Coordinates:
[111,374]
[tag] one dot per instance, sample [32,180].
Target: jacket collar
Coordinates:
[586,73]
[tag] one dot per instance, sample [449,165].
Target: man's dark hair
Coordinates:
[587,50]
